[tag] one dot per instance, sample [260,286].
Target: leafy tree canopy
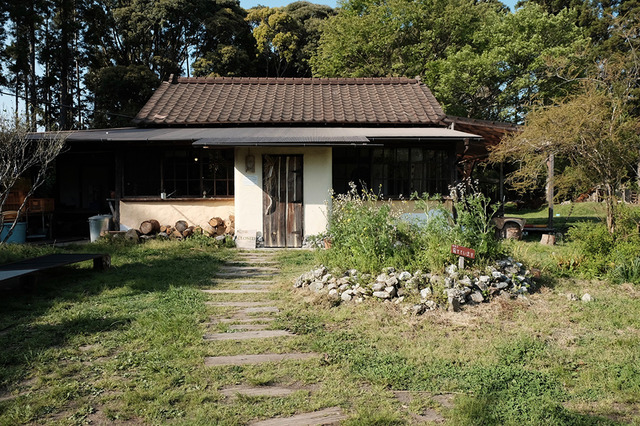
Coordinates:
[287,36]
[478,58]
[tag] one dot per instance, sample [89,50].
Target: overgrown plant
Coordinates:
[614,256]
[369,234]
[365,233]
[474,227]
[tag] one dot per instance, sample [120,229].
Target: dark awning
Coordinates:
[269,136]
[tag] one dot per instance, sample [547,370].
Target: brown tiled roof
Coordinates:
[247,101]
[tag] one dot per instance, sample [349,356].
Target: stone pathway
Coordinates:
[250,275]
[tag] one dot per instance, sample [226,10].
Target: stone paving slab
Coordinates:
[327,416]
[261,310]
[239,291]
[255,259]
[249,282]
[257,391]
[211,361]
[255,286]
[248,326]
[236,304]
[244,320]
[244,335]
[247,269]
[232,275]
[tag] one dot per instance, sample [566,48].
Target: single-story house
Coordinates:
[268,151]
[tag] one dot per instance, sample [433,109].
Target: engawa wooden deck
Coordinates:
[27,267]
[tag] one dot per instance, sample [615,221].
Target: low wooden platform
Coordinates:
[38,264]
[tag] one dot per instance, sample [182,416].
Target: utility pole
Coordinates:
[550,184]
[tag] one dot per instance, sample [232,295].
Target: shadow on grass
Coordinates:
[484,410]
[25,343]
[72,301]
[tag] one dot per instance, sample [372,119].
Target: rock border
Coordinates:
[451,289]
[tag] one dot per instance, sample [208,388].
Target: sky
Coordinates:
[7,103]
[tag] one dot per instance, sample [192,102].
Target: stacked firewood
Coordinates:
[217,227]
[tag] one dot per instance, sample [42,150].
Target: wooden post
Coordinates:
[501,190]
[550,185]
[119,186]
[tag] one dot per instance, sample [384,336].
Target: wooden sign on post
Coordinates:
[462,252]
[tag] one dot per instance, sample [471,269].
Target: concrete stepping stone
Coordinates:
[231,275]
[323,417]
[249,282]
[244,335]
[212,361]
[244,320]
[255,259]
[247,269]
[428,415]
[255,287]
[248,326]
[236,304]
[234,291]
[257,391]
[261,310]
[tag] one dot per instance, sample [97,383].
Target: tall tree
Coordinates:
[396,37]
[596,131]
[287,37]
[506,68]
[481,60]
[223,44]
[159,35]
[277,37]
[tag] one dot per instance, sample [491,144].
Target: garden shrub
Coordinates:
[605,255]
[474,227]
[365,233]
[368,234]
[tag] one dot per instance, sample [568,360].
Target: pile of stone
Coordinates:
[423,291]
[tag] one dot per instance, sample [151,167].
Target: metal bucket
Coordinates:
[19,234]
[98,224]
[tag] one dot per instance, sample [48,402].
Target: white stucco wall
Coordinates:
[168,212]
[316,183]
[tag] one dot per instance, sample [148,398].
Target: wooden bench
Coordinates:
[25,269]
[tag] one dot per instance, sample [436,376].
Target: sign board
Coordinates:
[463,251]
[246,239]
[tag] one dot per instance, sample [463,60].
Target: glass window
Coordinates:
[182,172]
[393,171]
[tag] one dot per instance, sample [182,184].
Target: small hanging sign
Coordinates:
[463,251]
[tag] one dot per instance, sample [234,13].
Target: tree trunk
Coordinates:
[611,204]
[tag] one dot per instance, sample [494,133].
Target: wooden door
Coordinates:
[282,200]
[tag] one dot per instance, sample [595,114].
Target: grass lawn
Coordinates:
[126,346]
[564,214]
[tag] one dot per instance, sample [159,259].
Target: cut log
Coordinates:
[209,230]
[163,228]
[216,221]
[149,227]
[187,232]
[197,230]
[176,235]
[181,225]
